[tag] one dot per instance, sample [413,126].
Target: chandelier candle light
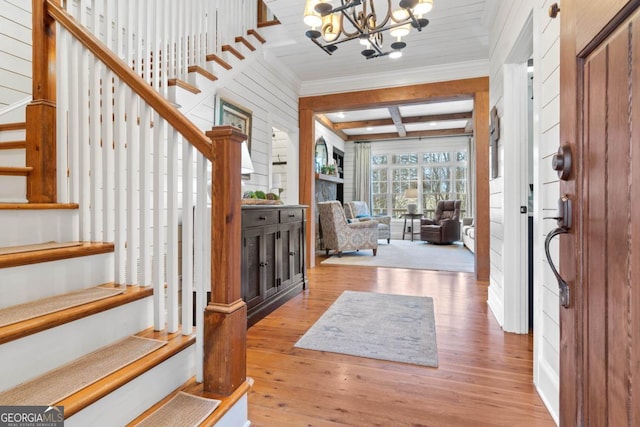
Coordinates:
[333,25]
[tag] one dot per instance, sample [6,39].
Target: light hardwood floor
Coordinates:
[484,377]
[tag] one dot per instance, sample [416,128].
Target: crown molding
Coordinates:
[431,74]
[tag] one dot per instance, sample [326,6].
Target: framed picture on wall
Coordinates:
[229,113]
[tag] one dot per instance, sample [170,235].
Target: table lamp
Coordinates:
[411,194]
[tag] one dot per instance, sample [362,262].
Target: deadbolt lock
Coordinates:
[561,162]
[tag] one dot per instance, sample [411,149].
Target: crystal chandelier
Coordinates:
[357,19]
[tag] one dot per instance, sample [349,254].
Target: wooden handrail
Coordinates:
[167,111]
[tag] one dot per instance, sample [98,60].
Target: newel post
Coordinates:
[41,112]
[225,318]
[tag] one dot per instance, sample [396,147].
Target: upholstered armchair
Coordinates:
[340,235]
[357,211]
[445,225]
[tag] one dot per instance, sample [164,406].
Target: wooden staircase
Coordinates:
[38,264]
[33,347]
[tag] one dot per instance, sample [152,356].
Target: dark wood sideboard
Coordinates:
[273,245]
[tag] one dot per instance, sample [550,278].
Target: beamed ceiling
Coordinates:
[408,121]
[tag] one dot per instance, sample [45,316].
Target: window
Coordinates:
[438,175]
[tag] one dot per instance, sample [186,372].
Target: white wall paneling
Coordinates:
[511,18]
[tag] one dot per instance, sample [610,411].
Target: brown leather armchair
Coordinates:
[445,225]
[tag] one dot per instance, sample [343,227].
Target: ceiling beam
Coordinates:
[416,94]
[405,120]
[416,134]
[329,124]
[394,110]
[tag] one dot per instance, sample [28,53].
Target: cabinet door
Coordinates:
[269,259]
[286,270]
[296,251]
[252,280]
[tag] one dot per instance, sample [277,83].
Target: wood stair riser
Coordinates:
[137,395]
[13,189]
[20,360]
[27,227]
[27,283]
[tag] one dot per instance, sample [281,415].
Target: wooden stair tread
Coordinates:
[257,35]
[176,342]
[13,126]
[184,85]
[51,320]
[15,170]
[37,206]
[8,250]
[198,69]
[215,58]
[13,145]
[241,39]
[232,50]
[46,255]
[197,389]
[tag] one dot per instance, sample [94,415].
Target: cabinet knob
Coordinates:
[292,215]
[262,218]
[264,264]
[292,253]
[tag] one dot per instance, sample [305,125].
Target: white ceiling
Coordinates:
[457,33]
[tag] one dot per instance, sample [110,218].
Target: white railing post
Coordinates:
[187,235]
[173,280]
[159,222]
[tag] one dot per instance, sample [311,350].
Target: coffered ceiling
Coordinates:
[457,34]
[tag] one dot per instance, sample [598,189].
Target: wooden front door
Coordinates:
[600,257]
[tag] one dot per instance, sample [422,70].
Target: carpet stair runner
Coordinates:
[188,403]
[26,319]
[83,381]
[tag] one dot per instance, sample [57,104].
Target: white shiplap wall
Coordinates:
[510,19]
[546,45]
[15,52]
[272,97]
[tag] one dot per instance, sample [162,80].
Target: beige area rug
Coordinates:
[59,383]
[408,254]
[33,309]
[37,247]
[184,410]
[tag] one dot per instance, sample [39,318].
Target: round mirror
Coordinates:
[322,155]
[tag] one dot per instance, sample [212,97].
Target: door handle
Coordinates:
[563,286]
[563,218]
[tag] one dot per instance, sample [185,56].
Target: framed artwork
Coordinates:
[232,114]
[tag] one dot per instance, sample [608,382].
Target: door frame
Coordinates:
[472,88]
[515,122]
